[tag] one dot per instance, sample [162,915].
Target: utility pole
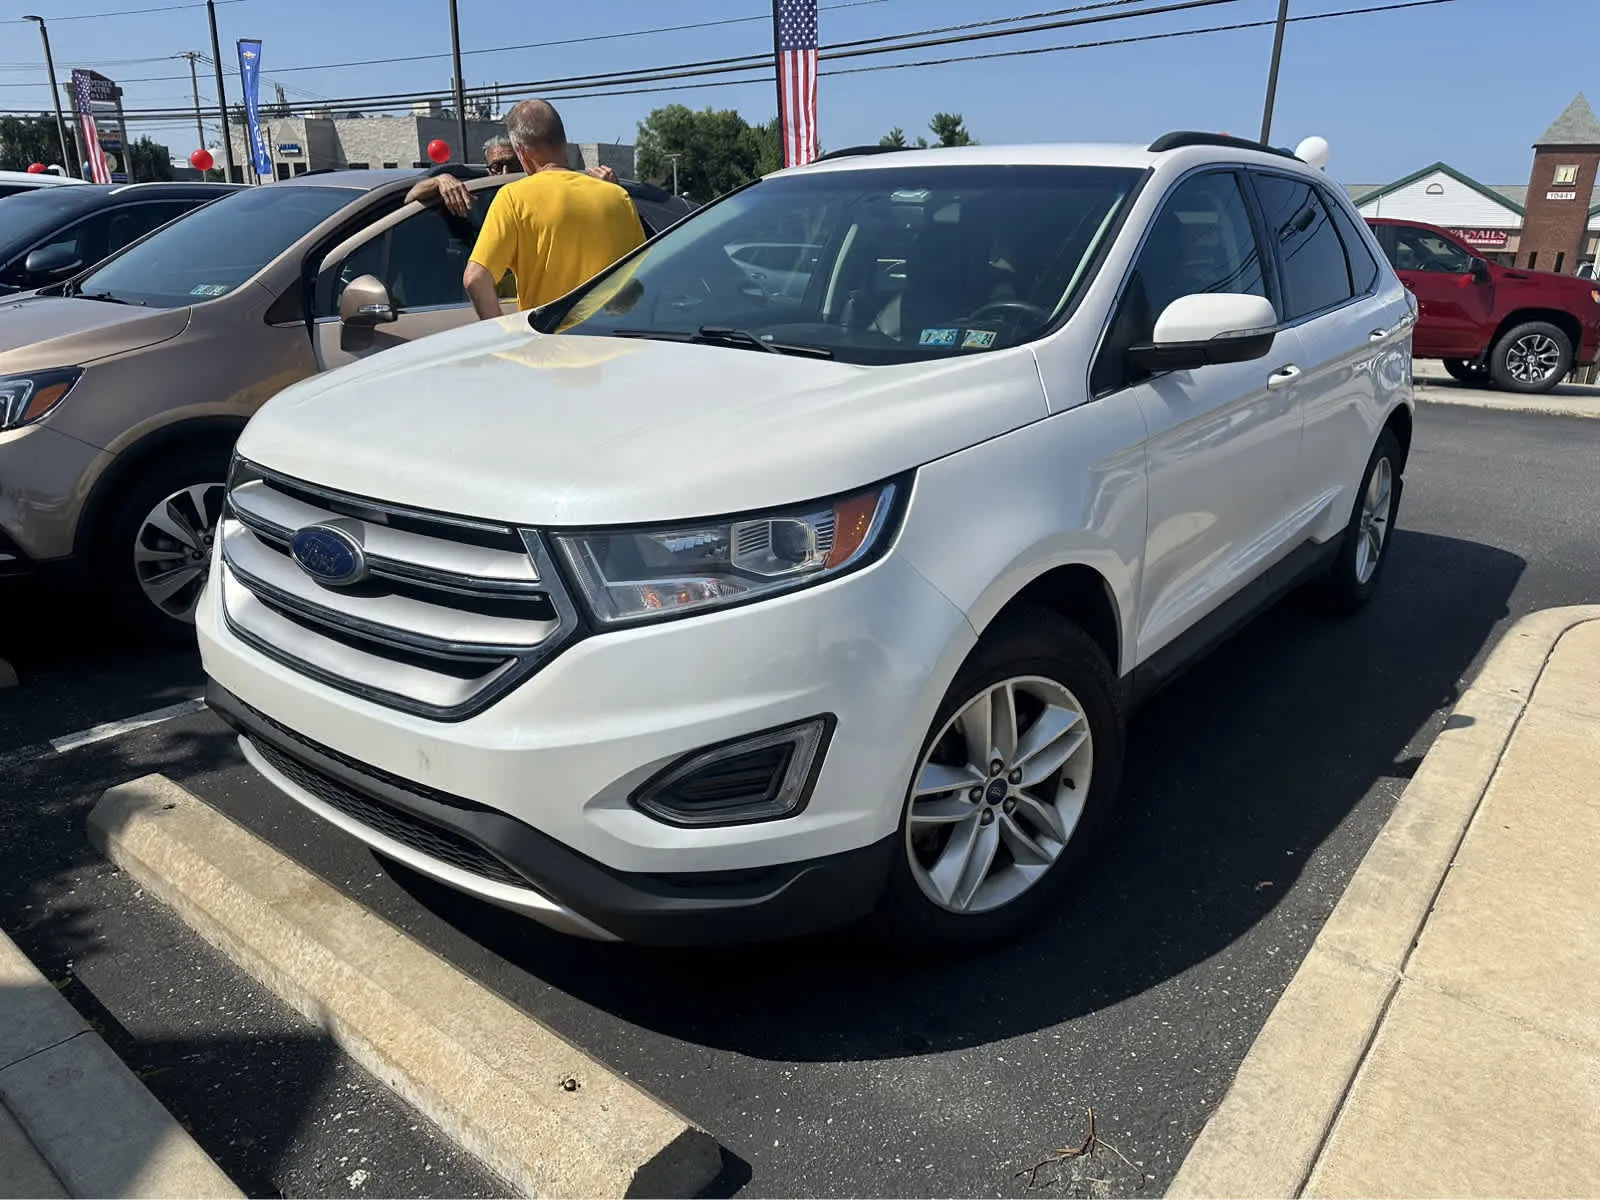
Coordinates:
[461,102]
[194,79]
[777,80]
[55,94]
[222,98]
[1272,74]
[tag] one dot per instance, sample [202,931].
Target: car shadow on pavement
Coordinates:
[1237,774]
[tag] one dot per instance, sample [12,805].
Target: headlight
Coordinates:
[25,398]
[638,574]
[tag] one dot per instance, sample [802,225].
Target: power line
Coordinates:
[125,12]
[628,83]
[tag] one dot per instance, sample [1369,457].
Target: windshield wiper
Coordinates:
[723,335]
[108,298]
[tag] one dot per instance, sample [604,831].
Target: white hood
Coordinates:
[498,422]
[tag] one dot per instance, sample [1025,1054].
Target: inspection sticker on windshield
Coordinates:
[978,339]
[209,289]
[940,337]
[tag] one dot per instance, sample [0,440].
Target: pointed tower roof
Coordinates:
[1576,126]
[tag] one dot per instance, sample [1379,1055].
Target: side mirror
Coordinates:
[1208,328]
[1479,270]
[366,303]
[50,263]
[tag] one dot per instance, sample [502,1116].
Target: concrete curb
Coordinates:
[545,1117]
[1265,1136]
[73,1119]
[1544,407]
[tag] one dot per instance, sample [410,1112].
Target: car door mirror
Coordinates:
[51,263]
[1205,329]
[366,303]
[1479,270]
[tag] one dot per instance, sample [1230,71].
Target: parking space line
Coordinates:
[111,729]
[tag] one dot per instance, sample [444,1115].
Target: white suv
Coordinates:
[681,611]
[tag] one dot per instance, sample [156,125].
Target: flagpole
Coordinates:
[777,76]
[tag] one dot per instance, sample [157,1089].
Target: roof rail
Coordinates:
[857,151]
[1185,137]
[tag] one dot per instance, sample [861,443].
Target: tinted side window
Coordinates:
[83,243]
[1201,241]
[1423,250]
[132,223]
[1363,267]
[420,260]
[1316,274]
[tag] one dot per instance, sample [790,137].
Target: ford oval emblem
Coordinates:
[330,555]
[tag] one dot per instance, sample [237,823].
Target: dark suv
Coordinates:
[1523,331]
[51,233]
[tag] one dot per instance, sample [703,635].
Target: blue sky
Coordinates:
[1471,82]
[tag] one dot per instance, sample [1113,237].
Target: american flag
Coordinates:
[96,157]
[797,78]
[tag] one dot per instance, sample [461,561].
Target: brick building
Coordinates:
[1551,223]
[1561,191]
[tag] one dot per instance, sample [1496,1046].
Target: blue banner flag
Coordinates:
[250,74]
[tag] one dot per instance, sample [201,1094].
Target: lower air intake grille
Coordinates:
[441,845]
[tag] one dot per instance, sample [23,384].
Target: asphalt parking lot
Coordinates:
[833,1066]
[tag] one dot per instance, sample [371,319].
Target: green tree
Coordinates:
[769,147]
[950,129]
[896,138]
[27,140]
[717,150]
[148,161]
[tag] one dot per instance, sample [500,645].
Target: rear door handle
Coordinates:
[1283,376]
[1377,335]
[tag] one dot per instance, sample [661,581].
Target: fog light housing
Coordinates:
[762,777]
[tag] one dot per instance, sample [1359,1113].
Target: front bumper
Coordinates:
[539,782]
[507,862]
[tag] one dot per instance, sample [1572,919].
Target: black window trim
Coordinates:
[1317,190]
[1269,275]
[1332,199]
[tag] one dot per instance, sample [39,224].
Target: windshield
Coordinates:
[26,217]
[215,248]
[879,265]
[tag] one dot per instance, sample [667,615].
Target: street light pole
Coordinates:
[194,80]
[1272,74]
[55,94]
[222,99]
[675,158]
[460,90]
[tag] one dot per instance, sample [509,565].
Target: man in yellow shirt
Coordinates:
[555,229]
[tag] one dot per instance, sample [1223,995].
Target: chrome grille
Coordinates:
[450,613]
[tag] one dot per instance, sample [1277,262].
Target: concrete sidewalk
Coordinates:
[1442,1038]
[1434,386]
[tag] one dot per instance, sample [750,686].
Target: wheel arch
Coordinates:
[1081,594]
[1402,422]
[1561,319]
[198,434]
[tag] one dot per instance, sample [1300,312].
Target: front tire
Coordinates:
[154,556]
[1531,358]
[1364,549]
[1017,775]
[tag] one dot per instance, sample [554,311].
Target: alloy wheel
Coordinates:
[172,550]
[1533,358]
[998,794]
[1376,502]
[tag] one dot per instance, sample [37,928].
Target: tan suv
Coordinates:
[121,392]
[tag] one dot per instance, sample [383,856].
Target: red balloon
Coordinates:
[36,168]
[439,150]
[201,160]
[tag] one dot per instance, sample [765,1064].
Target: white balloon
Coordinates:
[1315,151]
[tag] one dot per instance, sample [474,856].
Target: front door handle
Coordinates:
[1283,376]
[1377,335]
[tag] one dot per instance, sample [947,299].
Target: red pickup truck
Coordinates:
[1523,331]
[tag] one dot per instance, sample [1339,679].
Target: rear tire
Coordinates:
[154,553]
[1471,373]
[1364,549]
[1038,696]
[1531,358]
